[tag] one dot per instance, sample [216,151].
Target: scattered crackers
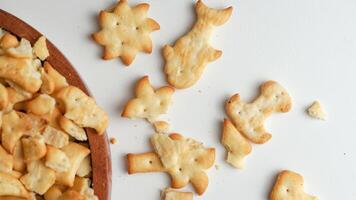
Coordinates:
[125,31]
[186,60]
[184,159]
[315,110]
[149,103]
[289,186]
[42,121]
[249,118]
[170,194]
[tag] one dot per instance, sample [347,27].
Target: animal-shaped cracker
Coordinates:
[82,109]
[289,186]
[170,194]
[249,118]
[236,145]
[149,103]
[125,31]
[186,60]
[184,159]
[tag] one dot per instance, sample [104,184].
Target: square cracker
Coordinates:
[11,186]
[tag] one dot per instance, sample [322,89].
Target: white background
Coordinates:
[309,46]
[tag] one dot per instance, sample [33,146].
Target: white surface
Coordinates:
[308,45]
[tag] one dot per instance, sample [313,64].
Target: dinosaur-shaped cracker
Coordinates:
[236,145]
[186,60]
[289,186]
[125,31]
[184,159]
[149,103]
[249,118]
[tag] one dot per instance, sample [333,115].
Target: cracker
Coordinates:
[289,186]
[317,111]
[11,186]
[125,31]
[72,129]
[113,140]
[52,80]
[37,124]
[41,105]
[186,60]
[249,118]
[6,161]
[236,145]
[170,194]
[55,137]
[76,154]
[40,48]
[22,50]
[4,97]
[82,109]
[13,128]
[53,193]
[39,177]
[81,185]
[149,103]
[71,195]
[57,160]
[22,72]
[161,126]
[34,148]
[143,163]
[18,156]
[8,41]
[84,169]
[15,97]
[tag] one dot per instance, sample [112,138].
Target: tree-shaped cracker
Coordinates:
[149,103]
[184,159]
[125,31]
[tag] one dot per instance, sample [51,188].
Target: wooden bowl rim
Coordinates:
[99,144]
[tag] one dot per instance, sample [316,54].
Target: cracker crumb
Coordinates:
[315,110]
[113,140]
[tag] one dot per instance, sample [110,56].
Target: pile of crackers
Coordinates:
[125,32]
[44,152]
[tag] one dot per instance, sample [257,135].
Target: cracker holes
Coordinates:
[150,162]
[180,169]
[117,24]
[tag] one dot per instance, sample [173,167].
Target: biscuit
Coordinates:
[249,118]
[184,159]
[57,160]
[161,126]
[19,164]
[22,50]
[236,145]
[316,111]
[170,194]
[8,41]
[149,103]
[37,124]
[6,161]
[72,129]
[55,137]
[81,185]
[14,98]
[125,31]
[52,80]
[41,105]
[84,169]
[13,128]
[289,186]
[53,193]
[34,148]
[82,109]
[11,186]
[186,60]
[39,177]
[40,48]
[71,195]
[76,154]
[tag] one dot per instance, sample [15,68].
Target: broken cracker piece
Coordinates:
[249,118]
[236,145]
[81,185]
[11,186]
[72,129]
[40,48]
[57,160]
[22,50]
[82,109]
[85,168]
[289,186]
[34,148]
[316,111]
[187,59]
[8,41]
[161,126]
[125,31]
[149,103]
[170,194]
[52,80]
[55,137]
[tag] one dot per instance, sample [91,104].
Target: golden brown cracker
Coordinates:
[11,186]
[170,194]
[40,48]
[34,148]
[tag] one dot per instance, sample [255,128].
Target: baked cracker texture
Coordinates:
[125,31]
[186,60]
[249,118]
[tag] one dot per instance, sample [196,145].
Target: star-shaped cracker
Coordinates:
[125,31]
[184,159]
[289,186]
[149,103]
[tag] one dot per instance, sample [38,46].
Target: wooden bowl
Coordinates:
[99,145]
